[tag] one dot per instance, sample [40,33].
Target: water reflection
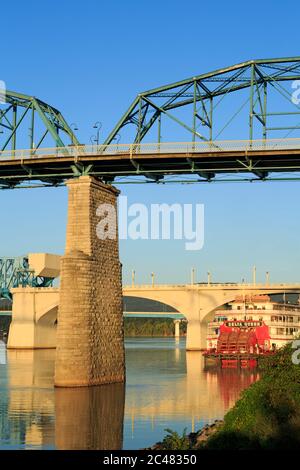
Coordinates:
[166,387]
[2,353]
[90,417]
[30,407]
[44,417]
[230,383]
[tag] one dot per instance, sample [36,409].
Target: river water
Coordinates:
[166,387]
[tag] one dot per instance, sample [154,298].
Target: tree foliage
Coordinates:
[150,327]
[175,441]
[267,416]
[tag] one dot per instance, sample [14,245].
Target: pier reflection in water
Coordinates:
[166,387]
[40,416]
[30,399]
[90,417]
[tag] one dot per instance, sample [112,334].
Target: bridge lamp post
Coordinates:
[254,275]
[267,278]
[133,277]
[152,279]
[208,278]
[117,139]
[193,276]
[73,127]
[98,126]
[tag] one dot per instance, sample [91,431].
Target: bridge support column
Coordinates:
[90,341]
[177,328]
[196,335]
[33,324]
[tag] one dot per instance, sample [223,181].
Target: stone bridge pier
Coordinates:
[90,342]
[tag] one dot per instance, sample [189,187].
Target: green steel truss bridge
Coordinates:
[21,113]
[15,272]
[186,131]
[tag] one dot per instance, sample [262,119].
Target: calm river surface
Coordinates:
[166,387]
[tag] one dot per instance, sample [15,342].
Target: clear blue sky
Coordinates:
[90,59]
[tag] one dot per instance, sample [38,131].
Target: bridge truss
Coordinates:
[268,103]
[27,116]
[170,131]
[15,272]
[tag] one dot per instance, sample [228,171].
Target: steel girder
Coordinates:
[41,119]
[15,272]
[199,93]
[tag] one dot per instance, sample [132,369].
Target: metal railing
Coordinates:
[153,148]
[287,324]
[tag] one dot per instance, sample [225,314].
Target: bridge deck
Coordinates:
[205,159]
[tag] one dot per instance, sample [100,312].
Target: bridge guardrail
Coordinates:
[213,285]
[152,148]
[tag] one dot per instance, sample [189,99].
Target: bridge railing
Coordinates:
[153,148]
[239,286]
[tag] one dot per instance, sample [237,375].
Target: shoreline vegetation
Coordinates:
[266,417]
[151,327]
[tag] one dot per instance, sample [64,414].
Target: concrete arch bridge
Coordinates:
[34,314]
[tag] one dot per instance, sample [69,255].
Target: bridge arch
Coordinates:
[35,310]
[46,327]
[136,304]
[198,303]
[48,316]
[162,297]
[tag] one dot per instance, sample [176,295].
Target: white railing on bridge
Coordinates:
[76,151]
[220,285]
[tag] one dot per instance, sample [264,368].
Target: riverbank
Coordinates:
[151,327]
[194,440]
[267,415]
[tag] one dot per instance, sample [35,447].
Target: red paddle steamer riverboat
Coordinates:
[240,344]
[248,328]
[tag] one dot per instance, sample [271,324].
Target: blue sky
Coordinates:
[90,59]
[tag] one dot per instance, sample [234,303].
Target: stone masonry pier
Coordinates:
[90,343]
